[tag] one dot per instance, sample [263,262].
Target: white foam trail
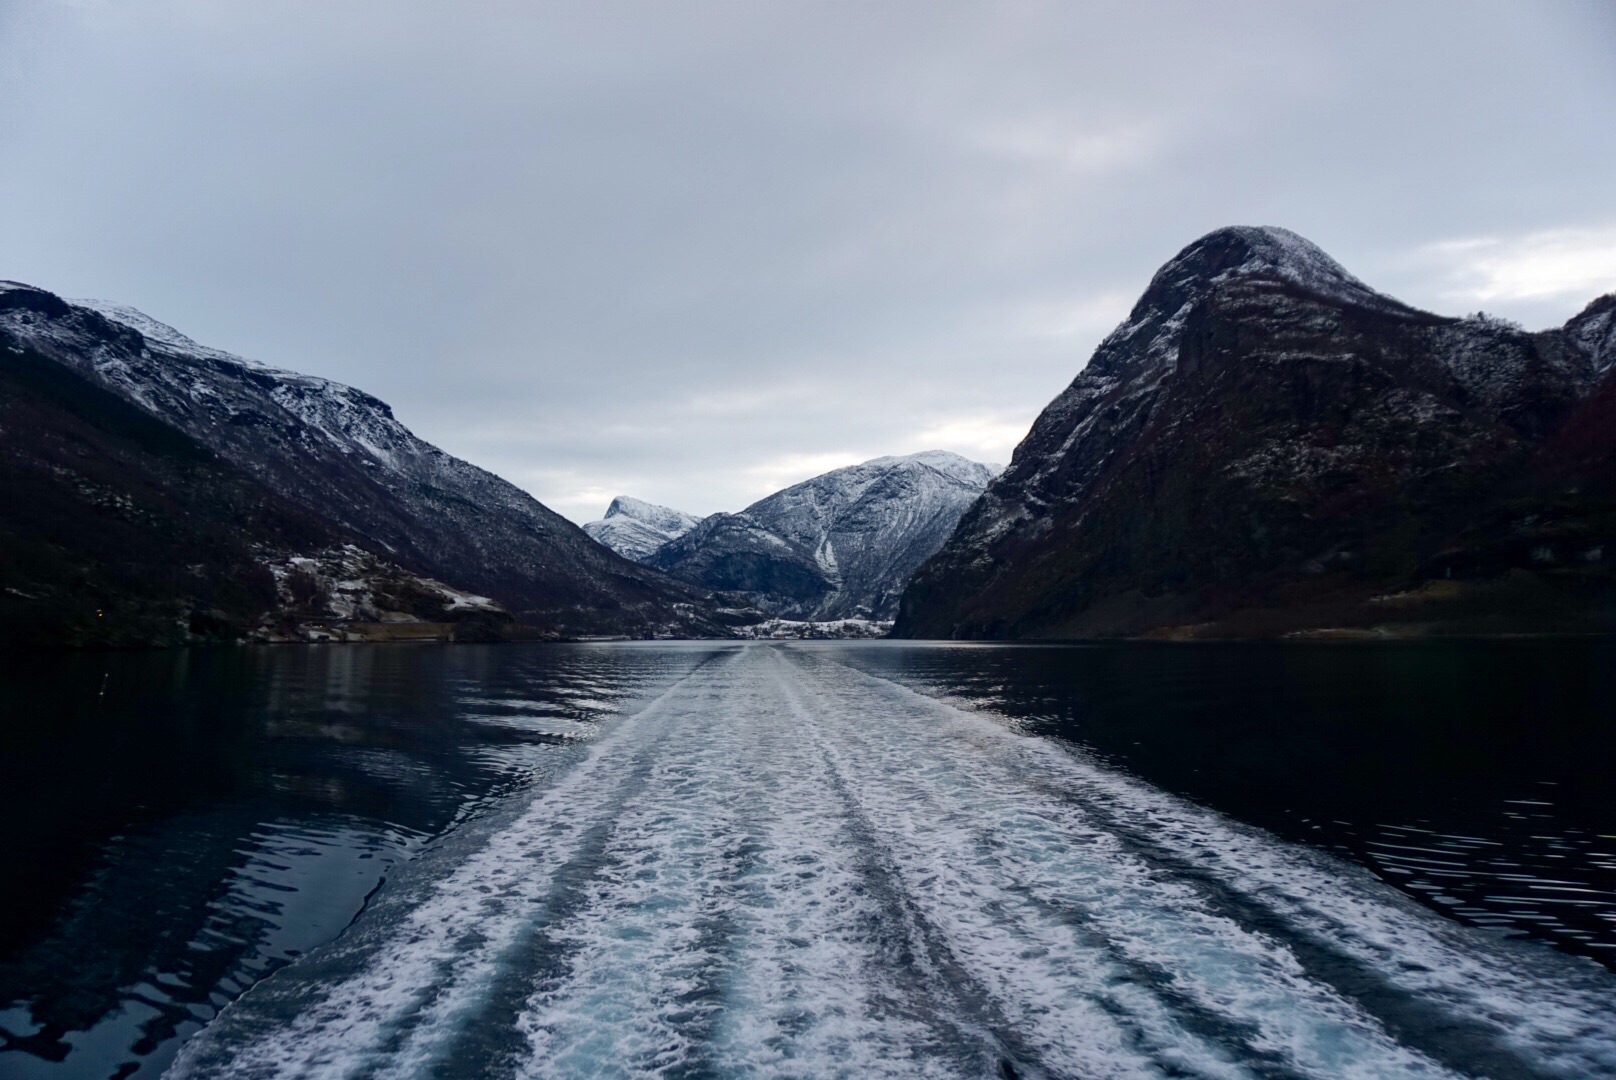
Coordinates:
[731,872]
[784,866]
[952,794]
[434,966]
[1560,1013]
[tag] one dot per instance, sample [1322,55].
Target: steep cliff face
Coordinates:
[838,546]
[339,455]
[634,529]
[1268,444]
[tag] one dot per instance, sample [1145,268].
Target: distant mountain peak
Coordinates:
[635,528]
[1264,247]
[1154,328]
[944,461]
[628,506]
[838,545]
[1266,441]
[1249,251]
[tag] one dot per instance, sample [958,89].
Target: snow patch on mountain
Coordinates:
[840,545]
[161,333]
[350,583]
[341,453]
[834,629]
[634,528]
[1593,333]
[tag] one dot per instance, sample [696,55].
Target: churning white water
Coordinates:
[785,866]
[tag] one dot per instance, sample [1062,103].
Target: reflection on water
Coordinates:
[787,866]
[186,822]
[1476,776]
[181,824]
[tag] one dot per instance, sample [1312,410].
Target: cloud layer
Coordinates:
[695,252]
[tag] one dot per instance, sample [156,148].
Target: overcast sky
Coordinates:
[694,252]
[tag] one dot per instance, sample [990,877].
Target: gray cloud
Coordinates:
[693,252]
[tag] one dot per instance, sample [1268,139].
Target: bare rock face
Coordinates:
[352,473]
[838,546]
[1268,445]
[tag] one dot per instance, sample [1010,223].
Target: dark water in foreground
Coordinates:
[1480,777]
[783,859]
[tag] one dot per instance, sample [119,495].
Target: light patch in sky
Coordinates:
[574,496]
[1574,264]
[583,503]
[1075,147]
[986,437]
[1084,318]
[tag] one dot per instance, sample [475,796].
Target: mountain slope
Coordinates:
[115,529]
[1267,444]
[840,545]
[634,529]
[339,455]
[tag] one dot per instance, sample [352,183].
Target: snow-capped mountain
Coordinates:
[1267,444]
[339,454]
[635,529]
[838,546]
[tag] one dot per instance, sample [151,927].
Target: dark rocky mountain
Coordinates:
[838,546]
[1266,445]
[116,529]
[306,465]
[634,529]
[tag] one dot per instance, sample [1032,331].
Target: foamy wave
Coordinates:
[784,866]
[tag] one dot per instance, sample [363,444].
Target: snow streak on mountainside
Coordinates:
[838,546]
[339,453]
[785,866]
[117,530]
[1267,444]
[635,529]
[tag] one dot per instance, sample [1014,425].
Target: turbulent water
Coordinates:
[786,865]
[181,824]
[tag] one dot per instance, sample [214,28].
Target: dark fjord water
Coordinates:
[814,859]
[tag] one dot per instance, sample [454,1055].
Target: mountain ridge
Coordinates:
[1263,434]
[339,453]
[634,528]
[838,545]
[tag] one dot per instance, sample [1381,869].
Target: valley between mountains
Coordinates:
[1266,446]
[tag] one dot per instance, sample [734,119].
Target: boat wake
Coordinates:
[786,866]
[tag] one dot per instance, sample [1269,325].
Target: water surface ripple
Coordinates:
[785,865]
